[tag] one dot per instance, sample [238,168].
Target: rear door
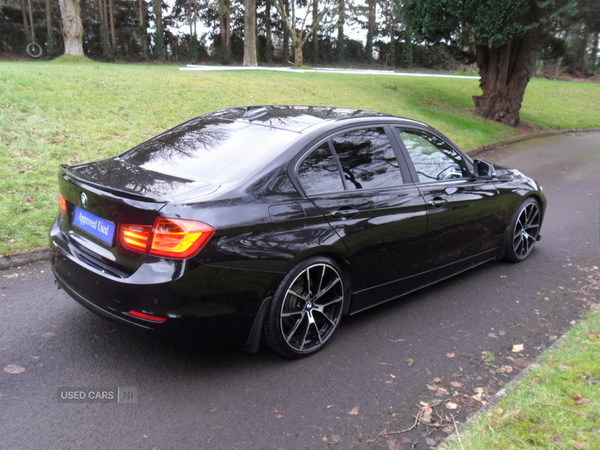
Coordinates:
[356,180]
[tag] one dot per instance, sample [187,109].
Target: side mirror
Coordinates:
[483,169]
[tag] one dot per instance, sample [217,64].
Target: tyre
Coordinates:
[523,231]
[34,50]
[306,308]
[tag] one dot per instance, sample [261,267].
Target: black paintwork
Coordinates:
[390,240]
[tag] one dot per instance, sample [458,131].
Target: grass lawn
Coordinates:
[68,112]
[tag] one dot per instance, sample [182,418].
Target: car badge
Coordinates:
[84,199]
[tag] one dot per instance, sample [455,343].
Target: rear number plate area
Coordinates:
[94,225]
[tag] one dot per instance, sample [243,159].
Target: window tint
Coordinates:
[367,158]
[210,149]
[319,172]
[433,158]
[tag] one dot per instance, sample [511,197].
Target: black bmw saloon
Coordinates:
[270,223]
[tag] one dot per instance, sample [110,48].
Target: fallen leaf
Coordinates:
[354,411]
[451,405]
[410,362]
[578,399]
[441,392]
[431,442]
[14,369]
[334,439]
[517,348]
[426,414]
[580,445]
[593,335]
[456,384]
[450,355]
[507,369]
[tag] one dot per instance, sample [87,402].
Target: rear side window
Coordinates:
[367,159]
[356,159]
[319,172]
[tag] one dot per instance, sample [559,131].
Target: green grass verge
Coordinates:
[69,111]
[554,406]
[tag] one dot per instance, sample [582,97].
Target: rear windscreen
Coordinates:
[211,150]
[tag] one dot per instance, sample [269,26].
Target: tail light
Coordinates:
[171,238]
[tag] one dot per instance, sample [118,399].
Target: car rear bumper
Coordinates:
[203,306]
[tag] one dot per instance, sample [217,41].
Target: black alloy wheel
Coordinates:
[524,231]
[306,309]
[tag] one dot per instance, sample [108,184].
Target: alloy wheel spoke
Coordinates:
[296,294]
[326,316]
[327,288]
[321,306]
[299,321]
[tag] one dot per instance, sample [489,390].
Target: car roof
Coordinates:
[294,117]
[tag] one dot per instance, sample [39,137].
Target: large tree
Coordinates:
[70,12]
[503,35]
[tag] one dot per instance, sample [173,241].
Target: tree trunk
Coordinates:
[269,43]
[50,41]
[160,35]
[113,38]
[70,12]
[315,32]
[104,34]
[341,45]
[225,22]
[298,55]
[371,29]
[250,34]
[286,34]
[505,72]
[143,29]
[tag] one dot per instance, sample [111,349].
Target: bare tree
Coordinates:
[297,28]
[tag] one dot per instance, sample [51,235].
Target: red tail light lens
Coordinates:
[62,204]
[135,237]
[171,238]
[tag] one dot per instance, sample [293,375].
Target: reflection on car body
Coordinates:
[270,223]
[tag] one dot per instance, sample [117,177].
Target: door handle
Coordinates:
[437,202]
[345,213]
